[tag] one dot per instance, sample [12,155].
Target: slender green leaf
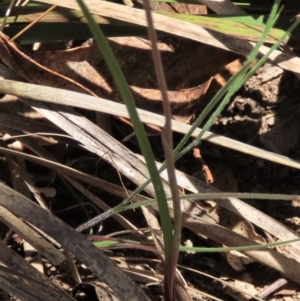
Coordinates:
[138,126]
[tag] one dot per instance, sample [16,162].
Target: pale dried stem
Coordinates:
[167,141]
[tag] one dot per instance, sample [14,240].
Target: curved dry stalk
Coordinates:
[79,100]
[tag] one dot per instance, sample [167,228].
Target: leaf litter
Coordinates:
[186,84]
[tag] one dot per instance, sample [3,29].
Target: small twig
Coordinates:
[33,22]
[271,289]
[207,173]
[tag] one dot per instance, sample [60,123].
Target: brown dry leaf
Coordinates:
[83,69]
[81,64]
[185,29]
[33,72]
[188,73]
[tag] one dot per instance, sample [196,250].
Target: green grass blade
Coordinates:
[138,126]
[232,85]
[203,196]
[212,104]
[111,243]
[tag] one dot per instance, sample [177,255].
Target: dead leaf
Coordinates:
[32,71]
[188,73]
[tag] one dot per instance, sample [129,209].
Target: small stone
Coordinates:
[270,73]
